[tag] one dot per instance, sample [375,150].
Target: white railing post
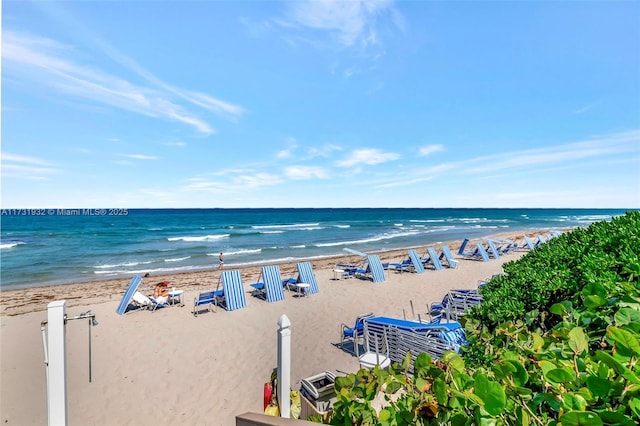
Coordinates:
[57,368]
[284,366]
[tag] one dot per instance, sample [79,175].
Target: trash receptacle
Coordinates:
[318,395]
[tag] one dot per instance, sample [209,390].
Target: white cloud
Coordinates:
[141,156]
[305,172]
[368,157]
[47,62]
[5,156]
[430,149]
[26,167]
[352,22]
[178,144]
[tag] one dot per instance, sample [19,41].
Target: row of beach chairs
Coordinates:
[495,248]
[387,340]
[230,292]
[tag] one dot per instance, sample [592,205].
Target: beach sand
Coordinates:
[171,368]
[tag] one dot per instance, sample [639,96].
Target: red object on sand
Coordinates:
[268,392]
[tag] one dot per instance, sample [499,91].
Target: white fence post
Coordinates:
[57,368]
[284,366]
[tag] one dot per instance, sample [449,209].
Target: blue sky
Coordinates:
[320,104]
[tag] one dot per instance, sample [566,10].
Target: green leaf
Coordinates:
[624,338]
[547,366]
[392,388]
[537,342]
[491,393]
[522,416]
[634,404]
[406,363]
[421,384]
[344,382]
[580,418]
[520,376]
[598,387]
[594,301]
[617,366]
[628,316]
[560,375]
[439,388]
[422,361]
[578,340]
[574,401]
[615,418]
[384,415]
[459,419]
[454,360]
[562,308]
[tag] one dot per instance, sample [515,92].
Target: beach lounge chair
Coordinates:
[448,257]
[354,333]
[432,259]
[454,305]
[374,269]
[140,301]
[529,244]
[124,305]
[492,249]
[403,336]
[404,266]
[306,275]
[207,298]
[412,264]
[480,253]
[270,286]
[232,296]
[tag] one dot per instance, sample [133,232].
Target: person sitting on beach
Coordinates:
[160,292]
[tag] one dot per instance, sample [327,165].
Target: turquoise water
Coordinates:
[47,247]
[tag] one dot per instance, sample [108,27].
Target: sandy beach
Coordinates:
[169,367]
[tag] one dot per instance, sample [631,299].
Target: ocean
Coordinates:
[43,247]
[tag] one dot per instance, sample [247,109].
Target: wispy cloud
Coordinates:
[305,172]
[585,108]
[606,149]
[350,29]
[351,22]
[429,149]
[26,167]
[141,156]
[232,181]
[367,157]
[50,63]
[178,144]
[598,147]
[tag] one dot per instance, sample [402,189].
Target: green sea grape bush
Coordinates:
[571,361]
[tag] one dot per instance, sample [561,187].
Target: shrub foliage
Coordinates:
[555,342]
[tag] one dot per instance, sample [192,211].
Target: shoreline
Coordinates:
[34,299]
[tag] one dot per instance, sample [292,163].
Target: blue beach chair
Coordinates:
[270,287]
[374,269]
[232,296]
[412,264]
[529,244]
[128,295]
[448,257]
[306,275]
[480,253]
[432,259]
[207,298]
[492,249]
[353,333]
